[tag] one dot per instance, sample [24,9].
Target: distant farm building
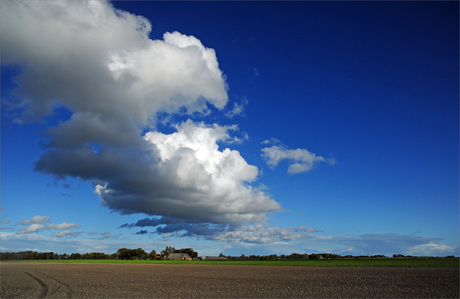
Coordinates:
[179,256]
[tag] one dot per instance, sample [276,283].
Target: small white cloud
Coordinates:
[301,160]
[35,227]
[105,235]
[238,109]
[66,233]
[271,141]
[31,229]
[62,226]
[6,221]
[35,219]
[307,229]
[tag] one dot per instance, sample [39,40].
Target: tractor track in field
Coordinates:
[51,287]
[43,285]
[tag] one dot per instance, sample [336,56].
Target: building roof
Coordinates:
[178,256]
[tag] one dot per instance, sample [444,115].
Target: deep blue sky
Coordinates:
[371,88]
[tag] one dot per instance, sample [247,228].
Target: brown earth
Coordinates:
[55,280]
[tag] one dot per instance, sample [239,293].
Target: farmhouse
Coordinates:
[179,256]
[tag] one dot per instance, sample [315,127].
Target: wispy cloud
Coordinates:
[238,109]
[63,225]
[39,227]
[102,236]
[66,233]
[105,235]
[31,229]
[307,229]
[35,225]
[273,140]
[35,219]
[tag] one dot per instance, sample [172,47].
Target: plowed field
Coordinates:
[56,280]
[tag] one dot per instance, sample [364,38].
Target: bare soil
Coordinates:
[56,280]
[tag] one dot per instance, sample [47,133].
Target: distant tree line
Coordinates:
[121,254]
[140,254]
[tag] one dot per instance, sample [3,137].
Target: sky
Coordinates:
[230,127]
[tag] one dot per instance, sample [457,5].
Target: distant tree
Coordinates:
[87,256]
[46,255]
[140,254]
[297,256]
[153,255]
[131,254]
[167,251]
[124,254]
[75,256]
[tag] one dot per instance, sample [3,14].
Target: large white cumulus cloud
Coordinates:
[100,64]
[188,177]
